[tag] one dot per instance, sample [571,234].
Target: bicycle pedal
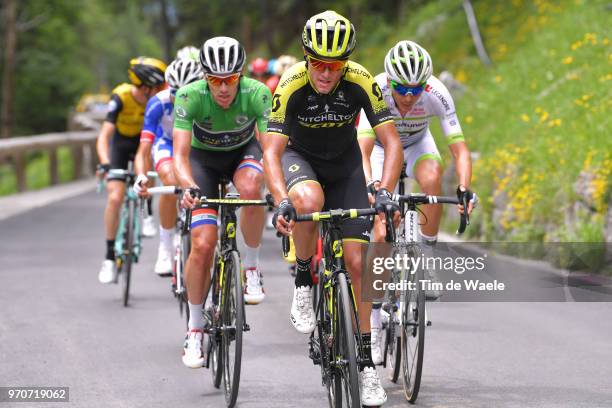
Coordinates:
[246,328]
[428,323]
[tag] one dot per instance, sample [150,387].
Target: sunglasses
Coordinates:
[173,91]
[228,80]
[321,65]
[405,90]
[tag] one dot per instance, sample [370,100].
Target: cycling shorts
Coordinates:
[122,150]
[162,152]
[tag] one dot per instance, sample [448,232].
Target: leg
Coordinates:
[428,173]
[167,221]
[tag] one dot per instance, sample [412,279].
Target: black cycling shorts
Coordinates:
[122,150]
[208,167]
[342,181]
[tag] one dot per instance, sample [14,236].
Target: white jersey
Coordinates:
[413,127]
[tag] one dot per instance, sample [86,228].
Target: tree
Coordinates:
[8,74]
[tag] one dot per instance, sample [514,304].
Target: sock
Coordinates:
[366,341]
[302,272]
[110,249]
[150,206]
[375,315]
[429,240]
[251,257]
[196,320]
[166,238]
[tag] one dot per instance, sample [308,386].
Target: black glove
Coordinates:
[104,168]
[384,201]
[195,192]
[372,187]
[466,194]
[285,209]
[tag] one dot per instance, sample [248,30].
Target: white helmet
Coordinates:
[408,63]
[222,56]
[283,63]
[188,52]
[182,72]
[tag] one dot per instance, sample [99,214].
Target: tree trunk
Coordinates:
[471,18]
[167,32]
[8,76]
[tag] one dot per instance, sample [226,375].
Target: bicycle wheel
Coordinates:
[233,324]
[216,349]
[413,337]
[345,372]
[127,250]
[393,348]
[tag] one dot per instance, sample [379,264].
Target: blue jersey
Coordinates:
[158,119]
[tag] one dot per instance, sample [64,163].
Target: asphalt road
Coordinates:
[60,327]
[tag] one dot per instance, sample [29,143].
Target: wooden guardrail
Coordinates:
[82,144]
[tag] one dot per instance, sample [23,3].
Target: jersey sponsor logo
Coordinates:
[340,96]
[438,95]
[184,97]
[293,168]
[358,71]
[293,78]
[264,98]
[312,107]
[241,119]
[326,117]
[377,92]
[180,112]
[276,103]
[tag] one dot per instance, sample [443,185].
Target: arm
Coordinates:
[366,144]
[182,167]
[103,142]
[273,146]
[394,155]
[463,163]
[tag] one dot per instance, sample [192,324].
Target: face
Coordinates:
[223,91]
[407,101]
[325,75]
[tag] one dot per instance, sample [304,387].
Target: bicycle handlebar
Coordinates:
[420,198]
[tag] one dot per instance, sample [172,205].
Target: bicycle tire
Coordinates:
[233,316]
[413,338]
[393,349]
[346,379]
[127,250]
[216,348]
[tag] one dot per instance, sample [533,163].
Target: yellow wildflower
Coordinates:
[525,118]
[469,119]
[498,78]
[567,60]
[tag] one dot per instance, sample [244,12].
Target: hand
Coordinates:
[373,186]
[140,186]
[384,204]
[472,198]
[102,169]
[284,217]
[191,197]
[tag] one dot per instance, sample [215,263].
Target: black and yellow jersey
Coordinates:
[323,125]
[125,112]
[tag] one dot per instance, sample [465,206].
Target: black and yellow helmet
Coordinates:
[329,35]
[146,71]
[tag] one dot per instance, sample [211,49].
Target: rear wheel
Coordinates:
[216,354]
[233,324]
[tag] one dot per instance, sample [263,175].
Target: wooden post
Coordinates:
[77,155]
[53,170]
[19,161]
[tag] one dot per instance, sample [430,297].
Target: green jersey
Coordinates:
[218,129]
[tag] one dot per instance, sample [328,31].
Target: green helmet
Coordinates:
[329,35]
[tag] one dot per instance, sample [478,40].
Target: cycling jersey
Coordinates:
[125,112]
[158,118]
[434,101]
[218,129]
[323,125]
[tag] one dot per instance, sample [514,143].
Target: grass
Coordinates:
[37,171]
[538,117]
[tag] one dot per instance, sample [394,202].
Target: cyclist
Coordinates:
[188,52]
[156,135]
[414,96]
[258,69]
[283,63]
[215,125]
[312,161]
[118,141]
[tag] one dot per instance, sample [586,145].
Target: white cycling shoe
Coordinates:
[163,265]
[377,338]
[372,392]
[108,272]
[193,354]
[149,229]
[253,287]
[302,314]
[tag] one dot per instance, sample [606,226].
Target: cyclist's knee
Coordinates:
[203,246]
[166,174]
[115,197]
[249,184]
[307,198]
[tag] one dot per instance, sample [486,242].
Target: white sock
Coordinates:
[251,257]
[428,239]
[196,320]
[375,318]
[166,238]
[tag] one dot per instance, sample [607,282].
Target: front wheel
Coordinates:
[413,338]
[344,369]
[233,325]
[128,257]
